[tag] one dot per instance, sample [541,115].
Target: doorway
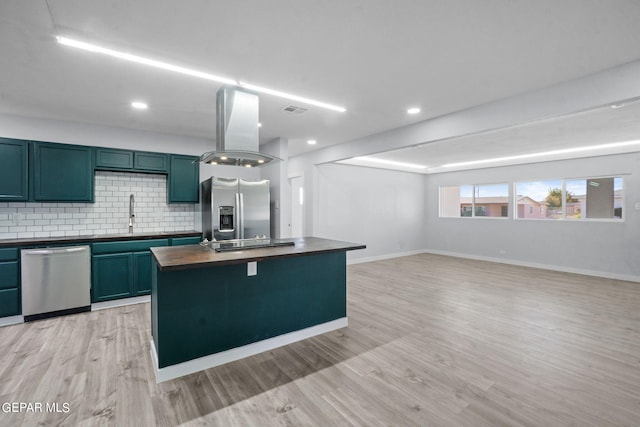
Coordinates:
[296,225]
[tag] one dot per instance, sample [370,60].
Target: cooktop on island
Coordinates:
[237,245]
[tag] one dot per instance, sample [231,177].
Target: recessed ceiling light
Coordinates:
[390,162]
[190,72]
[223,158]
[616,106]
[544,153]
[139,105]
[413,110]
[247,166]
[260,161]
[311,142]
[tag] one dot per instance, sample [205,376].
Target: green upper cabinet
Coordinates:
[109,158]
[154,162]
[184,179]
[13,170]
[127,160]
[62,173]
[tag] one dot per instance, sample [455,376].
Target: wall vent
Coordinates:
[294,109]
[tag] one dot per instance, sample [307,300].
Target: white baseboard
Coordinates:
[11,320]
[185,368]
[385,256]
[120,302]
[602,274]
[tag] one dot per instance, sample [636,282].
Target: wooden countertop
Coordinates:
[198,256]
[95,238]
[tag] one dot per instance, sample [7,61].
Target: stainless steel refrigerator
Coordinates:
[234,208]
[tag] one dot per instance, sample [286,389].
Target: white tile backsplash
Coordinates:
[108,215]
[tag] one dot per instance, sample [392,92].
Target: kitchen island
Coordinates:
[209,308]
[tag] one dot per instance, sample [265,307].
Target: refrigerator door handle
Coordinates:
[241,214]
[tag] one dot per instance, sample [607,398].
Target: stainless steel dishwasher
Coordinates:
[55,281]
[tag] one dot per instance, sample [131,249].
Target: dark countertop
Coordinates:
[198,256]
[95,238]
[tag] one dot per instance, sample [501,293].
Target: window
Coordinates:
[585,198]
[490,200]
[594,198]
[539,199]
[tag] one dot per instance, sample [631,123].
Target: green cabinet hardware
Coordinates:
[184,179]
[109,158]
[62,173]
[152,162]
[14,171]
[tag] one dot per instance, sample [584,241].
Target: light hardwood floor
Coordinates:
[432,340]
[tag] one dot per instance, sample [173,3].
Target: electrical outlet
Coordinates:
[638,206]
[17,217]
[502,252]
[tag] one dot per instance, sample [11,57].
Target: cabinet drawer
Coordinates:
[180,241]
[9,275]
[9,254]
[128,246]
[9,302]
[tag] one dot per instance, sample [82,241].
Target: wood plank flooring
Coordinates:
[432,341]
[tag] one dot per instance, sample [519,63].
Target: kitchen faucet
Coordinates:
[131,214]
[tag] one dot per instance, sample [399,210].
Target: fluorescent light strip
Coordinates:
[190,72]
[544,153]
[389,162]
[145,61]
[292,97]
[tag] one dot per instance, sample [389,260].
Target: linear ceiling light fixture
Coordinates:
[389,162]
[292,97]
[190,72]
[545,153]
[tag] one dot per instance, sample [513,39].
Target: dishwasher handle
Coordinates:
[54,251]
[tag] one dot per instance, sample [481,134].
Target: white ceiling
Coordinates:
[597,127]
[376,58]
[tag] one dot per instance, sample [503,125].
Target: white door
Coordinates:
[297,206]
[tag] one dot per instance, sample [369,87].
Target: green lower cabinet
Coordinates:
[141,273]
[9,283]
[9,302]
[112,277]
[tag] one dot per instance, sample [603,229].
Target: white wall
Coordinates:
[380,208]
[608,249]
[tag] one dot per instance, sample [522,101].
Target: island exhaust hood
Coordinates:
[237,130]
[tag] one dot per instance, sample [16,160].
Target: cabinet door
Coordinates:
[63,173]
[13,170]
[109,158]
[9,288]
[112,276]
[142,273]
[154,162]
[184,179]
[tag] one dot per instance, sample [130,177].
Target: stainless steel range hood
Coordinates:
[237,130]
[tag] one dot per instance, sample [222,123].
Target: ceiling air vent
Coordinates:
[294,109]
